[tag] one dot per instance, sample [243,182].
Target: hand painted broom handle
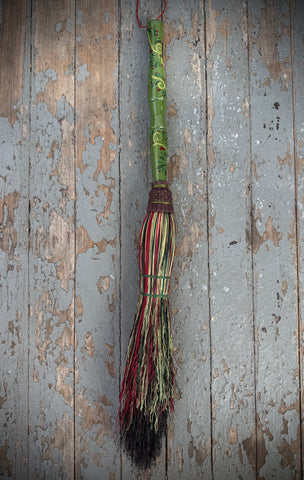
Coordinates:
[157,96]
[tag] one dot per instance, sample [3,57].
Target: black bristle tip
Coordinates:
[141,442]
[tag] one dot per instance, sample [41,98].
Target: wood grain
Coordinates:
[52,243]
[12,35]
[97,240]
[297,47]
[232,382]
[189,436]
[273,242]
[74,180]
[14,165]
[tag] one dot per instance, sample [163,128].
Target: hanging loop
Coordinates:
[137,17]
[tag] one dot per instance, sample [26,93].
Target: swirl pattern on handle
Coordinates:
[158,138]
[159,141]
[160,83]
[157,78]
[156,48]
[157,94]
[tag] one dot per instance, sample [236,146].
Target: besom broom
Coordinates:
[147,389]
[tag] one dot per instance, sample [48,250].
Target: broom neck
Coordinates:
[157,96]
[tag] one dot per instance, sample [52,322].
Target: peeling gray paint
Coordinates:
[42,78]
[74,180]
[79,20]
[14,170]
[69,25]
[82,73]
[64,110]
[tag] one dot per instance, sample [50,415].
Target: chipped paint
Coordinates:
[233,435]
[6,466]
[63,432]
[66,339]
[224,30]
[176,165]
[89,345]
[290,452]
[102,244]
[284,287]
[43,344]
[51,91]
[285,408]
[249,445]
[65,164]
[201,452]
[245,107]
[107,190]
[82,73]
[103,283]
[83,240]
[79,307]
[211,114]
[261,445]
[267,40]
[100,89]
[65,389]
[4,398]
[171,110]
[60,232]
[180,459]
[94,414]
[292,236]
[189,244]
[8,232]
[12,48]
[70,306]
[173,33]
[171,444]
[270,233]
[225,367]
[195,32]
[110,349]
[288,159]
[111,368]
[243,26]
[212,30]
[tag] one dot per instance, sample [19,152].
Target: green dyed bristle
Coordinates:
[148,385]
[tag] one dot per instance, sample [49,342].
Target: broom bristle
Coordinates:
[147,390]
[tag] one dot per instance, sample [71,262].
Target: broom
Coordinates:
[147,389]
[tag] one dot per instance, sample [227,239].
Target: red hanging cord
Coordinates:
[137,18]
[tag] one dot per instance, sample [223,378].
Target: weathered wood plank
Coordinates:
[297,49]
[232,389]
[189,436]
[97,240]
[12,34]
[88,150]
[52,243]
[14,166]
[273,242]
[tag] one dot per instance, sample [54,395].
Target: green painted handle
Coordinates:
[157,96]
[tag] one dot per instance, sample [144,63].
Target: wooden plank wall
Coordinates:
[74,180]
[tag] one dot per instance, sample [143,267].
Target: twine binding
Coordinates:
[160,198]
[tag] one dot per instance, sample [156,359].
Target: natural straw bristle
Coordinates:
[147,390]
